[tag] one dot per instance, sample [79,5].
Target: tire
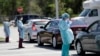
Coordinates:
[39,41]
[54,42]
[79,49]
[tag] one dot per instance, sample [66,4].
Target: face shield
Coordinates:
[65,16]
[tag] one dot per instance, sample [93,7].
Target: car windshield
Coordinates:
[84,12]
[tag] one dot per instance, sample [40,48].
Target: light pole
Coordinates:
[29,6]
[57,9]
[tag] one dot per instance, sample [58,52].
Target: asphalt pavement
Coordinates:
[31,49]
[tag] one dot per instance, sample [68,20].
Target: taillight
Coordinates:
[34,27]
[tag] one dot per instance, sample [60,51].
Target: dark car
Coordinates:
[26,17]
[88,39]
[51,34]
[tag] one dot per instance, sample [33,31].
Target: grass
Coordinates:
[1,39]
[1,24]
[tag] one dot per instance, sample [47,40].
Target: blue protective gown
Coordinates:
[66,35]
[20,29]
[6,28]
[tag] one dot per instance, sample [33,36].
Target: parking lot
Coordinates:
[31,49]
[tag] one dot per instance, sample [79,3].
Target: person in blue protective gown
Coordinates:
[66,33]
[21,31]
[6,24]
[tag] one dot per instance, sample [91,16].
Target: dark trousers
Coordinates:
[7,39]
[20,43]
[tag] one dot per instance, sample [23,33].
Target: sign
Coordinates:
[19,9]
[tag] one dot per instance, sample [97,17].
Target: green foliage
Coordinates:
[70,11]
[42,7]
[1,39]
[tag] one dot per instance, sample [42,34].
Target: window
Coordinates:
[93,27]
[48,25]
[98,27]
[52,25]
[84,12]
[94,12]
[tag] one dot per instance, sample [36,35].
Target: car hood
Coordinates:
[78,23]
[77,18]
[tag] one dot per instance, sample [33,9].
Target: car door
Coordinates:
[46,35]
[97,38]
[93,16]
[88,40]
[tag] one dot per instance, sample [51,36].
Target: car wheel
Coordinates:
[39,41]
[79,49]
[30,40]
[54,42]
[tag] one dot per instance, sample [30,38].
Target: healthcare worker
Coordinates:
[66,33]
[21,31]
[6,29]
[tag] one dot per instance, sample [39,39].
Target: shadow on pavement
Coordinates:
[51,48]
[29,42]
[86,55]
[15,48]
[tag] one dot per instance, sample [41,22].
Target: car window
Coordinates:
[48,25]
[93,28]
[98,27]
[52,25]
[84,12]
[94,12]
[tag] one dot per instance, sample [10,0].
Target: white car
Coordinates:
[32,27]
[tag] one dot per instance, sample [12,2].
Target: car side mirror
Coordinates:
[41,27]
[84,29]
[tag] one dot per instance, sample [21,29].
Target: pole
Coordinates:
[30,8]
[57,9]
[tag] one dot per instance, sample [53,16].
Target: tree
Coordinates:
[42,7]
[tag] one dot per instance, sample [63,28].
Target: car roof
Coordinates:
[39,20]
[78,23]
[55,20]
[75,23]
[26,14]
